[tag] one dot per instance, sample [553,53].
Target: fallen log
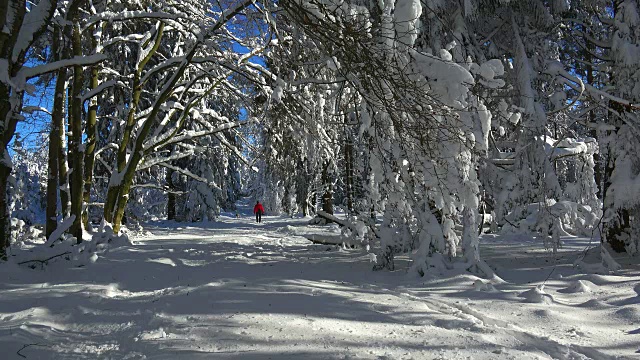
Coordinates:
[330,240]
[332,218]
[345,223]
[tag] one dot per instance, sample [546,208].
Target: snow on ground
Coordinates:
[239,290]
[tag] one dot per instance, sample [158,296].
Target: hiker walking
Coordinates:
[258,210]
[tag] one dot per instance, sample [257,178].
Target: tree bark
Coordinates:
[327,196]
[171,196]
[618,230]
[92,136]
[9,103]
[349,164]
[5,226]
[589,73]
[9,110]
[618,227]
[55,141]
[75,139]
[63,171]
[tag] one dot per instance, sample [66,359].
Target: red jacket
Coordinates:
[257,208]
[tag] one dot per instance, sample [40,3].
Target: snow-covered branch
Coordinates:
[129,15]
[100,88]
[27,73]
[191,175]
[188,135]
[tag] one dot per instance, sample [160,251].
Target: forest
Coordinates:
[437,117]
[413,130]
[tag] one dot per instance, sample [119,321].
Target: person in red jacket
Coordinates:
[258,210]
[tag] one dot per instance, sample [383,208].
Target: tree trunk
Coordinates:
[171,196]
[589,72]
[11,98]
[618,227]
[92,136]
[5,170]
[75,139]
[327,196]
[125,187]
[63,165]
[618,231]
[5,226]
[469,235]
[302,186]
[349,164]
[63,172]
[9,109]
[55,141]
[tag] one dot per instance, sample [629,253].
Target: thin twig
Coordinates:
[26,346]
[45,260]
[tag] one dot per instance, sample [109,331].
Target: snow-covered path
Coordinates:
[236,289]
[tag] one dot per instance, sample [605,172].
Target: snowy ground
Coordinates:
[235,289]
